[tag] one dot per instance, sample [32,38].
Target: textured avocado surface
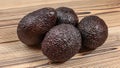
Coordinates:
[61,43]
[94,32]
[32,27]
[66,15]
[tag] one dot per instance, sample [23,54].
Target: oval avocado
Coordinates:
[32,27]
[66,15]
[94,32]
[61,43]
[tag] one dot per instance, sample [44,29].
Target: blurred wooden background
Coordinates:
[14,54]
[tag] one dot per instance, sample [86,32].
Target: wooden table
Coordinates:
[14,54]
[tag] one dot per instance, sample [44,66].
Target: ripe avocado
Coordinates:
[61,43]
[94,32]
[32,27]
[66,15]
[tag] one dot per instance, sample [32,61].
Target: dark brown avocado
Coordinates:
[94,32]
[66,15]
[32,27]
[61,43]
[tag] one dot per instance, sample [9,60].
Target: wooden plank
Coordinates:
[10,18]
[5,4]
[96,7]
[9,34]
[25,59]
[23,3]
[113,14]
[18,54]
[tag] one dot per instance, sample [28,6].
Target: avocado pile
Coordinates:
[59,34]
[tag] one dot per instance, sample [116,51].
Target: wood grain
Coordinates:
[14,54]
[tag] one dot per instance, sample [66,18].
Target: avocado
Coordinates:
[61,43]
[33,27]
[94,32]
[66,15]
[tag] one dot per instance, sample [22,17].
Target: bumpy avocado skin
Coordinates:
[32,27]
[94,32]
[61,43]
[67,16]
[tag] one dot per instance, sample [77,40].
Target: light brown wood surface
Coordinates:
[14,54]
